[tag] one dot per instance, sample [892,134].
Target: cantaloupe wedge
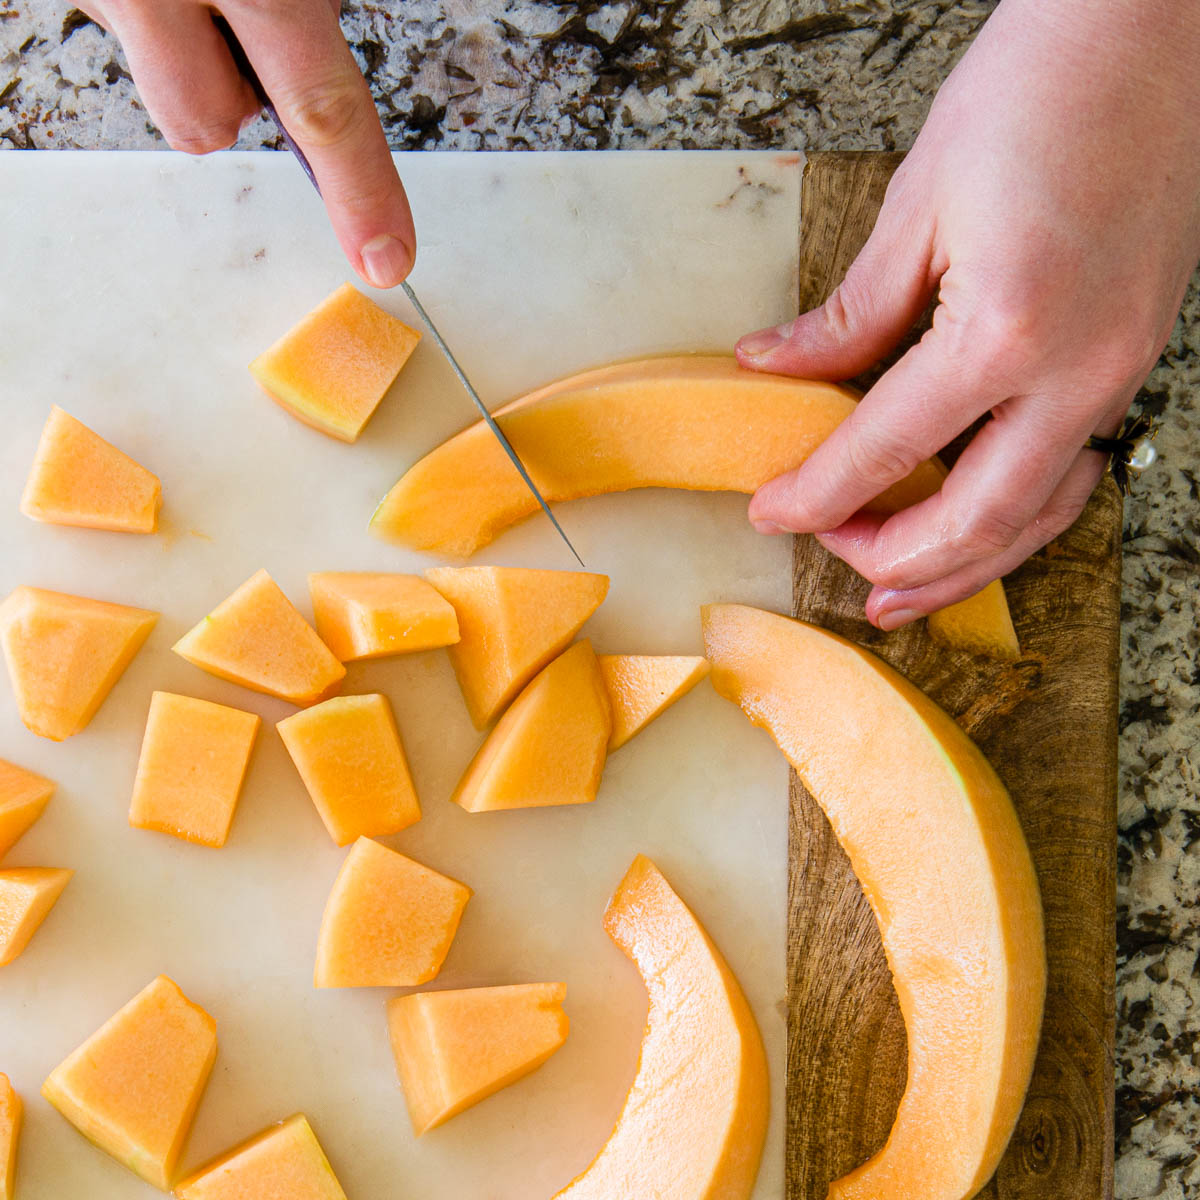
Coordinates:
[388,922]
[132,1088]
[77,478]
[549,747]
[23,798]
[454,1049]
[193,761]
[364,615]
[284,1162]
[27,894]
[512,622]
[65,653]
[10,1135]
[980,624]
[935,842]
[333,368]
[694,1122]
[258,639]
[643,686]
[348,753]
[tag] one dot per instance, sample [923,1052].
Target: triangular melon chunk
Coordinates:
[23,797]
[512,621]
[77,478]
[65,653]
[10,1133]
[456,1048]
[132,1088]
[980,624]
[643,686]
[550,746]
[258,639]
[27,894]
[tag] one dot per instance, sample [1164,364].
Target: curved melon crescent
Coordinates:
[935,842]
[698,422]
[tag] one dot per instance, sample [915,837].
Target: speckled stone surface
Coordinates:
[515,74]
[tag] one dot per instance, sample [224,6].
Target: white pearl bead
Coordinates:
[1142,455]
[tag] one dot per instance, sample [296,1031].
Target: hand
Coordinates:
[1052,202]
[195,94]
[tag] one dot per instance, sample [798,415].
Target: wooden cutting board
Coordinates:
[1048,723]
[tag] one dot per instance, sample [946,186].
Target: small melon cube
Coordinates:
[361,615]
[389,921]
[77,478]
[65,653]
[194,758]
[512,622]
[348,753]
[132,1088]
[333,368]
[642,686]
[27,894]
[550,746]
[454,1049]
[284,1162]
[10,1134]
[23,797]
[258,639]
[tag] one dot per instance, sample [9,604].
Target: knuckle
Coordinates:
[325,115]
[879,459]
[988,530]
[203,139]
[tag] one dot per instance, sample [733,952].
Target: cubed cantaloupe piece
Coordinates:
[550,746]
[512,621]
[10,1135]
[257,638]
[27,894]
[360,614]
[284,1162]
[333,368]
[132,1088]
[388,922]
[78,478]
[456,1048]
[349,754]
[193,761]
[65,653]
[643,686]
[23,797]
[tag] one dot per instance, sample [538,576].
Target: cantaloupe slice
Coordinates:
[980,624]
[388,922]
[454,1049]
[77,478]
[27,894]
[512,622]
[132,1088]
[694,1122]
[65,653]
[10,1135]
[193,761]
[643,686]
[549,747]
[333,368]
[258,639]
[935,842]
[284,1162]
[349,754]
[23,798]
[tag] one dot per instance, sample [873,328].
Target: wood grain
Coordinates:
[1048,723]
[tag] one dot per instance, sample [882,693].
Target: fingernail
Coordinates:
[386,260]
[768,527]
[763,342]
[887,621]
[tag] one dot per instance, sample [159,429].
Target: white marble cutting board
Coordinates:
[133,290]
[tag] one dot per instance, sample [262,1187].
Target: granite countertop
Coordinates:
[505,74]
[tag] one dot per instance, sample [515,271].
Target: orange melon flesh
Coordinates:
[643,686]
[77,478]
[980,624]
[348,753]
[132,1088]
[512,622]
[193,761]
[549,747]
[23,798]
[935,842]
[258,639]
[284,1162]
[333,368]
[64,655]
[694,1122]
[10,1134]
[27,894]
[389,921]
[454,1049]
[364,615]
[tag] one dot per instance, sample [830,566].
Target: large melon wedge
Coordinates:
[258,639]
[694,1122]
[27,894]
[23,798]
[643,686]
[454,1049]
[935,842]
[77,478]
[10,1135]
[132,1088]
[65,653]
[512,622]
